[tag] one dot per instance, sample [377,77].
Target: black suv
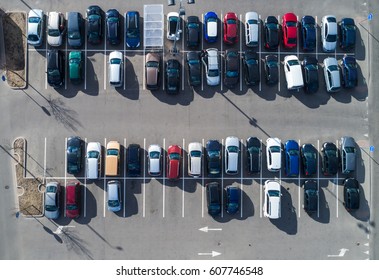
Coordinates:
[94,22]
[347,33]
[172,76]
[310,66]
[329,153]
[134,160]
[309,157]
[193,32]
[251,68]
[74,155]
[112,18]
[213,149]
[55,68]
[254,153]
[214,198]
[351,194]
[310,196]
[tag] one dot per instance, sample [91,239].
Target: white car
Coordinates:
[332,75]
[35,27]
[116,68]
[93,157]
[154,154]
[232,148]
[55,29]
[274,154]
[195,153]
[173,20]
[211,64]
[329,33]
[271,205]
[251,29]
[292,70]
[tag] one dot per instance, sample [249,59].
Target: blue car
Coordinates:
[291,149]
[349,71]
[232,199]
[210,27]
[132,29]
[308,30]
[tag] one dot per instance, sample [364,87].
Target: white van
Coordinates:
[116,69]
[195,152]
[93,160]
[292,69]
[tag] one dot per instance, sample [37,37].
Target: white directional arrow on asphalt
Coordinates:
[213,254]
[206,229]
[341,254]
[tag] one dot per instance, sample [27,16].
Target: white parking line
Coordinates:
[318,176]
[44,162]
[260,55]
[240,58]
[299,182]
[202,181]
[124,174]
[105,69]
[47,18]
[144,179]
[336,187]
[260,185]
[298,36]
[202,48]
[164,177]
[163,70]
[86,58]
[279,59]
[317,38]
[143,72]
[241,191]
[183,169]
[221,60]
[65,173]
[85,180]
[222,176]
[104,185]
[183,39]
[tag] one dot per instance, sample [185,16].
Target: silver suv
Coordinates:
[348,154]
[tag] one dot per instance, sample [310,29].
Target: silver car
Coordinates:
[52,200]
[348,154]
[35,27]
[211,63]
[114,196]
[329,33]
[332,75]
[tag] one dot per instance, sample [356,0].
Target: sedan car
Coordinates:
[274,154]
[349,71]
[271,32]
[35,27]
[154,163]
[133,160]
[347,32]
[291,150]
[173,20]
[174,153]
[213,191]
[213,155]
[251,29]
[93,157]
[55,68]
[310,196]
[250,64]
[211,62]
[310,69]
[232,67]
[132,29]
[73,200]
[272,198]
[152,70]
[231,155]
[293,74]
[56,27]
[232,199]
[210,27]
[332,75]
[330,161]
[351,194]
[114,202]
[254,154]
[94,24]
[348,154]
[230,28]
[74,154]
[289,30]
[193,32]
[52,200]
[308,33]
[75,67]
[329,33]
[112,20]
[194,68]
[309,158]
[172,76]
[271,69]
[195,154]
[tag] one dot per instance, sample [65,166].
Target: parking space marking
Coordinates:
[260,185]
[299,180]
[336,185]
[222,176]
[202,48]
[104,185]
[298,37]
[143,72]
[240,52]
[182,37]
[85,61]
[279,59]
[317,39]
[163,69]
[105,67]
[65,173]
[47,18]
[85,180]
[124,173]
[260,54]
[241,191]
[144,179]
[202,181]
[221,53]
[164,176]
[44,162]
[318,178]
[183,169]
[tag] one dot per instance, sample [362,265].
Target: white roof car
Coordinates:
[251,29]
[93,156]
[116,68]
[329,33]
[114,196]
[294,75]
[332,74]
[232,147]
[173,20]
[271,205]
[35,27]
[274,154]
[52,200]
[195,152]
[211,63]
[154,154]
[55,29]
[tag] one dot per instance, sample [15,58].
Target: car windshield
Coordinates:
[350,150]
[272,26]
[154,154]
[293,62]
[72,149]
[212,20]
[195,154]
[254,150]
[51,189]
[272,63]
[152,64]
[133,166]
[331,19]
[232,74]
[233,149]
[54,32]
[51,207]
[331,38]
[214,154]
[174,156]
[74,35]
[352,65]
[32,37]
[275,149]
[331,153]
[193,25]
[74,61]
[112,152]
[213,73]
[291,24]
[115,61]
[231,21]
[34,20]
[333,68]
[113,203]
[273,193]
[54,73]
[251,62]
[71,207]
[194,62]
[93,154]
[293,152]
[252,21]
[310,155]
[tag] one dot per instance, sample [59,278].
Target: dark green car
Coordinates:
[75,67]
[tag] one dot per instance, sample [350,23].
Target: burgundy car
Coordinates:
[289,26]
[73,200]
[230,28]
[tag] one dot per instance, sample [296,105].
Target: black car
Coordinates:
[308,33]
[194,68]
[213,198]
[250,64]
[74,155]
[254,154]
[309,157]
[55,68]
[347,30]
[172,76]
[271,32]
[330,161]
[193,32]
[349,71]
[134,160]
[94,22]
[310,196]
[213,153]
[232,199]
[232,66]
[271,69]
[310,67]
[351,194]
[112,19]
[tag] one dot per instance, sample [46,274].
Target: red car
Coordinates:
[73,200]
[230,28]
[174,153]
[289,26]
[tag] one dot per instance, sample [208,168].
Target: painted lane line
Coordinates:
[124,176]
[143,72]
[317,39]
[85,181]
[66,62]
[202,182]
[164,176]
[318,180]
[144,180]
[241,178]
[260,185]
[299,182]
[65,174]
[86,58]
[260,55]
[105,59]
[336,187]
[183,172]
[47,18]
[279,60]
[221,60]
[222,178]
[201,62]
[104,184]
[240,57]
[297,34]
[182,37]
[44,162]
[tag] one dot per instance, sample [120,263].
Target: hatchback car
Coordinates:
[174,153]
[251,29]
[211,62]
[274,154]
[309,157]
[308,33]
[349,71]
[271,32]
[193,32]
[172,76]
[194,68]
[195,154]
[289,30]
[154,163]
[271,69]
[73,200]
[230,28]
[213,153]
[210,27]
[272,197]
[112,20]
[292,70]
[250,64]
[55,68]
[232,148]
[329,33]
[253,154]
[152,71]
[232,68]
[35,27]
[332,75]
[52,200]
[94,24]
[213,191]
[93,157]
[347,32]
[330,160]
[348,154]
[134,160]
[75,67]
[173,23]
[310,69]
[291,150]
[74,155]
[56,27]
[232,199]
[132,29]
[116,69]
[351,194]
[114,196]
[310,196]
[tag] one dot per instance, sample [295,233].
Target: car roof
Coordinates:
[291,144]
[232,141]
[94,146]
